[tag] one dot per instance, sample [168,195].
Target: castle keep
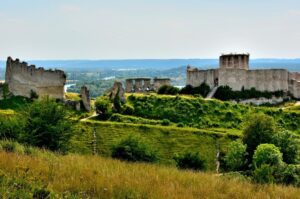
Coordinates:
[234,72]
[23,80]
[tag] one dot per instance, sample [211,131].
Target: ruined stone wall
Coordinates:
[159,82]
[295,76]
[23,79]
[196,77]
[234,61]
[263,80]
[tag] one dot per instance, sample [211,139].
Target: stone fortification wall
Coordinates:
[295,76]
[159,82]
[23,79]
[294,88]
[263,80]
[234,61]
[196,77]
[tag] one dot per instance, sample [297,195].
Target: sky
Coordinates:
[148,29]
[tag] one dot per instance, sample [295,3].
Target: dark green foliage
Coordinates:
[289,175]
[289,146]
[47,125]
[5,91]
[33,95]
[41,194]
[168,90]
[117,103]
[264,174]
[190,160]
[202,90]
[15,103]
[134,150]
[226,93]
[128,109]
[259,129]
[165,122]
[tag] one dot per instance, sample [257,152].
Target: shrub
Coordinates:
[259,129]
[103,106]
[289,146]
[190,160]
[267,154]
[264,174]
[41,193]
[11,127]
[128,109]
[47,125]
[165,122]
[168,90]
[134,150]
[235,158]
[290,175]
[202,90]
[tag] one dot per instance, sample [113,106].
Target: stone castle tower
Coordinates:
[234,61]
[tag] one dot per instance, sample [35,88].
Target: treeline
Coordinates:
[201,90]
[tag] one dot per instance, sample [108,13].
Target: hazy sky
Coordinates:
[111,29]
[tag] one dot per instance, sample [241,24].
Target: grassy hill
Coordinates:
[26,172]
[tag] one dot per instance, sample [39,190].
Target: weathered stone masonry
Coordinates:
[141,85]
[234,72]
[22,80]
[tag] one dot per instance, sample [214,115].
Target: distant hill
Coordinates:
[156,64]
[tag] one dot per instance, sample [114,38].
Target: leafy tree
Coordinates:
[168,90]
[47,125]
[103,106]
[289,146]
[289,175]
[235,158]
[259,129]
[267,154]
[134,150]
[264,174]
[190,160]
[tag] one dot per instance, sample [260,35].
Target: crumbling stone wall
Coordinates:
[196,77]
[85,98]
[117,89]
[22,80]
[140,85]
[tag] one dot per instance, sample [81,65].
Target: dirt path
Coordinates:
[94,114]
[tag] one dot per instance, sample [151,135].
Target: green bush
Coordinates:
[190,160]
[264,174]
[235,158]
[259,129]
[128,109]
[134,150]
[165,122]
[103,106]
[288,145]
[289,175]
[11,127]
[202,90]
[267,154]
[168,90]
[47,125]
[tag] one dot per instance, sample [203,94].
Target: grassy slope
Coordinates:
[200,113]
[167,140]
[75,176]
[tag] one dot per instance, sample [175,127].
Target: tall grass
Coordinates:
[95,177]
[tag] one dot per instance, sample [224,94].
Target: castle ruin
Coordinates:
[24,80]
[141,85]
[234,72]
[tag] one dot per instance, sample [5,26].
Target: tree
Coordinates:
[267,154]
[103,106]
[289,146]
[235,158]
[259,129]
[47,125]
